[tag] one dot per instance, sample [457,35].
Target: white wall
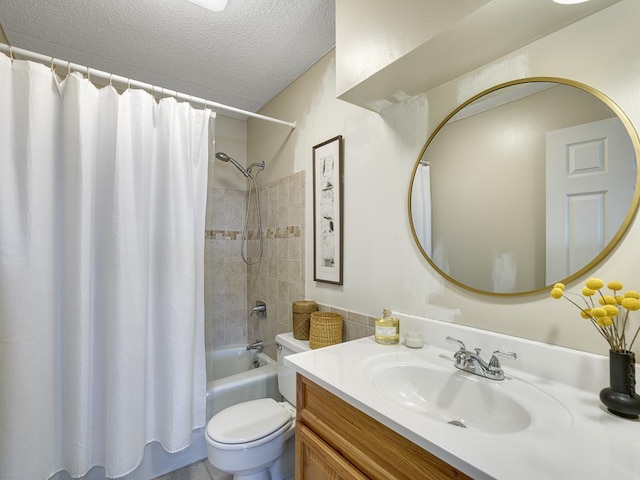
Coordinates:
[382,265]
[370,43]
[230,138]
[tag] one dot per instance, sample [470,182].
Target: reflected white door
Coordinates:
[590,179]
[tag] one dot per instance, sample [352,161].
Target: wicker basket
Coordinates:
[302,311]
[326,329]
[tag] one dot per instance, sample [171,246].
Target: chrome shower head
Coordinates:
[226,158]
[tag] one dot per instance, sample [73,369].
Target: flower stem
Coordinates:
[585,301]
[623,337]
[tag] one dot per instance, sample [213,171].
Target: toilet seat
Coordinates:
[248,424]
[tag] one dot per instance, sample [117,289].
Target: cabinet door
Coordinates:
[315,460]
[359,440]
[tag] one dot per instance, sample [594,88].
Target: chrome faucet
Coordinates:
[256,345]
[472,362]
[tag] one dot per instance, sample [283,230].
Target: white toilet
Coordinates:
[254,440]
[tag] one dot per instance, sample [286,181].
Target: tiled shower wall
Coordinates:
[225,273]
[232,288]
[278,279]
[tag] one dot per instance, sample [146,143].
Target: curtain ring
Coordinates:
[68,68]
[111,79]
[53,65]
[88,74]
[128,84]
[11,53]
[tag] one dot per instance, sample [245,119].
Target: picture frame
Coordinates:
[328,211]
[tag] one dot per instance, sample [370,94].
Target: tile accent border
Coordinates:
[278,232]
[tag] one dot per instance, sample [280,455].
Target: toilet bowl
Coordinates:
[254,440]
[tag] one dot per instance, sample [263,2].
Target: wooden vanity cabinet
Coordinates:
[335,440]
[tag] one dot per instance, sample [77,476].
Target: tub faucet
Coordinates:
[256,345]
[472,362]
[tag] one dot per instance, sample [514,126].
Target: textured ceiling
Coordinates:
[242,57]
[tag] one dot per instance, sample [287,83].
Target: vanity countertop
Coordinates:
[593,444]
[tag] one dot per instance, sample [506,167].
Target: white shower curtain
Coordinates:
[102,209]
[421,206]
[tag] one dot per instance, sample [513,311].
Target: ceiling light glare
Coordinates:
[569,2]
[214,5]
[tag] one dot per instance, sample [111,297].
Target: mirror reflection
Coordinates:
[525,185]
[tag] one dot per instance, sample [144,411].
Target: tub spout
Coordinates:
[256,345]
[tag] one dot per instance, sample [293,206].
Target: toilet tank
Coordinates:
[288,345]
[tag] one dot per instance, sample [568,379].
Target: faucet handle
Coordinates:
[461,355]
[260,309]
[494,363]
[455,340]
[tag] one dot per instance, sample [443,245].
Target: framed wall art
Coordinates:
[327,211]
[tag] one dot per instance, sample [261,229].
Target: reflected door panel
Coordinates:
[590,185]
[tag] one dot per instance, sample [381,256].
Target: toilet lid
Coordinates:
[248,421]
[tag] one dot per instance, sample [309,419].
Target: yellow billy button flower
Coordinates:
[631,304]
[604,321]
[607,300]
[614,286]
[594,284]
[611,310]
[556,293]
[610,314]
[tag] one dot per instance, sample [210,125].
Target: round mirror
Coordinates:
[527,184]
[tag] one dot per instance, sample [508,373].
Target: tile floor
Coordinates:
[198,471]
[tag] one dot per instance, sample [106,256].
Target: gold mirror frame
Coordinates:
[609,247]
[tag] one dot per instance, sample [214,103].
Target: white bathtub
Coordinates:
[236,375]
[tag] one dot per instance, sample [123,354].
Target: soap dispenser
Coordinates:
[387,329]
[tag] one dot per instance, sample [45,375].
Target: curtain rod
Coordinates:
[92,72]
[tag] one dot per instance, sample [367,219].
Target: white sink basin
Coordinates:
[436,389]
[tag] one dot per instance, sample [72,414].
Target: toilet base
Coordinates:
[281,468]
[263,475]
[284,467]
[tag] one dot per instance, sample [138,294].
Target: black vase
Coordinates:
[620,397]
